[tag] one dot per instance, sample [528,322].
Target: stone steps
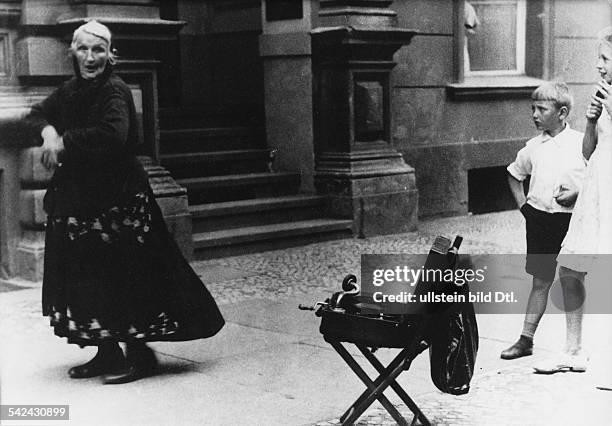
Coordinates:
[225,162]
[258,238]
[212,189]
[211,139]
[256,205]
[257,211]
[238,204]
[210,157]
[206,117]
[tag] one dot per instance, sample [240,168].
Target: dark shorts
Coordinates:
[545,233]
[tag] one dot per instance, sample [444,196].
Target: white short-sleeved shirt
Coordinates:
[551,162]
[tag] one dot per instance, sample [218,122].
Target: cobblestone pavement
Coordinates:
[507,396]
[512,396]
[318,268]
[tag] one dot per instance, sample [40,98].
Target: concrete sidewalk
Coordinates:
[270,365]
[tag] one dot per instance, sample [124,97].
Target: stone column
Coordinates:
[367,179]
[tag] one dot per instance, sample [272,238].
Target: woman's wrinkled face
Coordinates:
[92,54]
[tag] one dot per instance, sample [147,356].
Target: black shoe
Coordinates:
[521,348]
[106,360]
[126,375]
[140,362]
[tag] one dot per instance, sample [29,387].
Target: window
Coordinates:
[501,47]
[280,10]
[496,45]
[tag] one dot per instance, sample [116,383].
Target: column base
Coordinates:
[377,191]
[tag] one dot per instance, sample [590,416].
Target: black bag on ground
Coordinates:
[452,332]
[453,339]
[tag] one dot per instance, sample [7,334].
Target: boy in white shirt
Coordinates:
[555,163]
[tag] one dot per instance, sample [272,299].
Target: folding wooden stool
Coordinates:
[369,333]
[343,322]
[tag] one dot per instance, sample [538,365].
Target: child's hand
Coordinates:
[595,107]
[604,95]
[565,196]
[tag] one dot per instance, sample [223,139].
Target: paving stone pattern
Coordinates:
[510,396]
[317,269]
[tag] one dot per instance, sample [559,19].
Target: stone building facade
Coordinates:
[266,121]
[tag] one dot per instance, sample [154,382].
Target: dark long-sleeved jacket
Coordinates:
[98,123]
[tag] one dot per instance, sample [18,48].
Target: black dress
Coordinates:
[112,270]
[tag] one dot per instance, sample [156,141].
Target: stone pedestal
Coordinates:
[33,177]
[172,200]
[374,187]
[366,178]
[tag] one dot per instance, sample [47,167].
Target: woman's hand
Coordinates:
[53,145]
[51,151]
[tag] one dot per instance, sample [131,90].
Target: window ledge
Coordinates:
[496,87]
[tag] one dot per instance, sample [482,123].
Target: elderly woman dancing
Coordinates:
[112,271]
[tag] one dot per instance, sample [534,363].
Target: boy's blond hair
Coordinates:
[556,92]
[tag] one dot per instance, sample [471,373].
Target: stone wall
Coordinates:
[21,243]
[445,129]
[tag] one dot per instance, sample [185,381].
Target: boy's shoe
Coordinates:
[523,347]
[566,362]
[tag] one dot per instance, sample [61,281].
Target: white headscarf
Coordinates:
[94,28]
[98,30]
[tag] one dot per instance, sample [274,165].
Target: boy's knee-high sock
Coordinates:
[529,329]
[536,305]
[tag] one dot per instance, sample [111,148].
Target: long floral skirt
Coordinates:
[120,277]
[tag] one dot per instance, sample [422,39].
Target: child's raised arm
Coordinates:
[589,142]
